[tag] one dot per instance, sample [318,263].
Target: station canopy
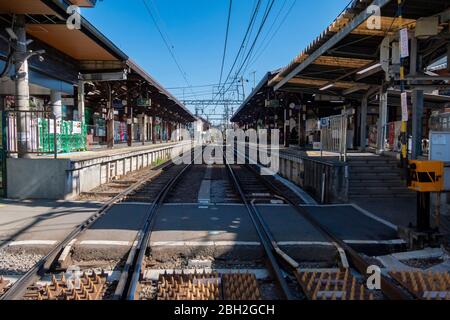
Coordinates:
[91,51]
[344,61]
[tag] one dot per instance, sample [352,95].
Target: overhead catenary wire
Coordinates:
[264,45]
[241,47]
[267,13]
[196,86]
[167,43]
[226,41]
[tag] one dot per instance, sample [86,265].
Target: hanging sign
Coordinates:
[272,103]
[404,99]
[404,43]
[324,123]
[117,104]
[143,102]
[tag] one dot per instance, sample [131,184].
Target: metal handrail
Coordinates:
[15,140]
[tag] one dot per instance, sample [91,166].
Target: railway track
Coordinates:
[58,287]
[344,283]
[338,284]
[203,285]
[243,186]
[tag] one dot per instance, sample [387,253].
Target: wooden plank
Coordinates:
[342,62]
[320,83]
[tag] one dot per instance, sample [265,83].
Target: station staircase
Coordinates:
[376,177]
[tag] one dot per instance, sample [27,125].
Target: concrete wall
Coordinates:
[37,178]
[66,179]
[309,174]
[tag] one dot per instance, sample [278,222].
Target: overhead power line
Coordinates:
[169,46]
[226,41]
[265,44]
[267,13]
[241,47]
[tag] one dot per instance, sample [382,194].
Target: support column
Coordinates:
[153,129]
[110,119]
[363,124]
[417,127]
[81,102]
[299,127]
[417,105]
[286,128]
[448,56]
[22,98]
[142,127]
[145,128]
[169,134]
[130,125]
[166,125]
[382,121]
[56,104]
[304,112]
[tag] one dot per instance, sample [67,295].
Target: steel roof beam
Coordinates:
[345,31]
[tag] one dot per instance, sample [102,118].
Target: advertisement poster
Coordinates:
[373,132]
[51,126]
[76,127]
[391,137]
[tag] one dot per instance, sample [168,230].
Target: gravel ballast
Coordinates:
[17,263]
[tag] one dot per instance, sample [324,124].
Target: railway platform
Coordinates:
[69,175]
[35,225]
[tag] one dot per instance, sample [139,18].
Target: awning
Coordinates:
[344,59]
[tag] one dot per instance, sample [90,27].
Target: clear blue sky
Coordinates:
[196,29]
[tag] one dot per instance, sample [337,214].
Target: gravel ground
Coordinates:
[423,263]
[99,265]
[148,290]
[17,263]
[181,262]
[268,290]
[114,185]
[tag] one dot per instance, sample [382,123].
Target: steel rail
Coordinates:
[264,237]
[389,289]
[18,289]
[129,284]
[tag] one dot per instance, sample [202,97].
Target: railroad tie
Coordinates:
[208,286]
[86,287]
[424,285]
[333,285]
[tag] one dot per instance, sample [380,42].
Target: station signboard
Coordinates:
[272,103]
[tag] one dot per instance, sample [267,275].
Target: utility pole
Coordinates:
[254,79]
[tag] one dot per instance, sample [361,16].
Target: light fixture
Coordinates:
[327,87]
[376,65]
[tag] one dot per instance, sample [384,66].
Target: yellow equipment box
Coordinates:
[426,176]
